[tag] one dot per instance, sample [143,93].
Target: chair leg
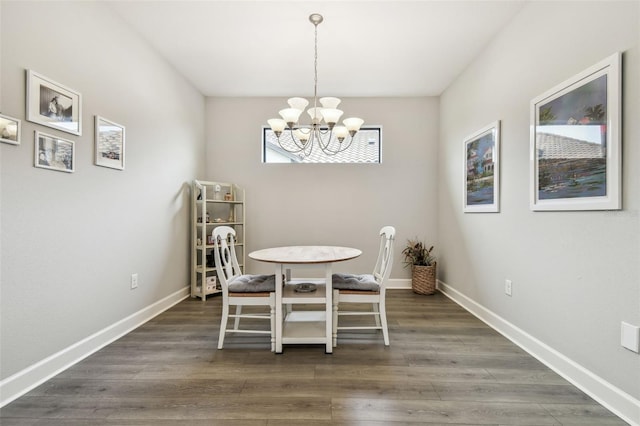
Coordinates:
[223,324]
[383,319]
[336,296]
[236,323]
[376,308]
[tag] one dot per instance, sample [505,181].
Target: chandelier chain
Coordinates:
[315,67]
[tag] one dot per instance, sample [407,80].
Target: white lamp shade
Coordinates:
[330,102]
[353,123]
[277,125]
[298,103]
[315,114]
[302,136]
[341,132]
[290,115]
[331,115]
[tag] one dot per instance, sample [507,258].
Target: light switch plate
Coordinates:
[630,337]
[507,287]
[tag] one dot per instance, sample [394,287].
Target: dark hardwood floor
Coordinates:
[443,367]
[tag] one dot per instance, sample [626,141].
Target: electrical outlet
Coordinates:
[134,281]
[630,338]
[507,287]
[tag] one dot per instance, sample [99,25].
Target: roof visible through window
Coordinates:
[365,148]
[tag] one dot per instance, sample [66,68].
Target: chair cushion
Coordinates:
[355,282]
[252,284]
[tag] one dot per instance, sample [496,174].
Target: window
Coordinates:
[365,148]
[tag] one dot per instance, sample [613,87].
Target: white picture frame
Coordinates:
[54,153]
[10,130]
[481,192]
[575,155]
[109,143]
[53,105]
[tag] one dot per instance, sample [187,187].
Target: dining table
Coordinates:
[304,326]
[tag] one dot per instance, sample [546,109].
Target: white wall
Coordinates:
[575,274]
[71,241]
[336,204]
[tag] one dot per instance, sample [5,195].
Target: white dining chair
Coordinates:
[239,289]
[365,288]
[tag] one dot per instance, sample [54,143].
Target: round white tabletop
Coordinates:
[305,254]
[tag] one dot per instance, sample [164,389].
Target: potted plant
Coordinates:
[423,266]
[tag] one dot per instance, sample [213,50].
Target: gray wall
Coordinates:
[575,274]
[333,204]
[71,241]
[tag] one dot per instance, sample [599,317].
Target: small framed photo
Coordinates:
[53,105]
[482,170]
[10,130]
[109,144]
[54,153]
[575,155]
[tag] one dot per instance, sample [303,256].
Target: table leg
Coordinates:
[279,318]
[329,308]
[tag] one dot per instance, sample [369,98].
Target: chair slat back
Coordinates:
[384,263]
[224,252]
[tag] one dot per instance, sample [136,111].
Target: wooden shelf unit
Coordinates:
[213,204]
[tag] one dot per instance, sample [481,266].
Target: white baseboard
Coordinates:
[399,283]
[617,401]
[23,381]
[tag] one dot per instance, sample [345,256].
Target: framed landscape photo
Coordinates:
[109,144]
[52,104]
[10,130]
[482,170]
[54,153]
[575,155]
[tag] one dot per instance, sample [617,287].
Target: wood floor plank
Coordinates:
[583,415]
[331,388]
[405,374]
[124,422]
[500,392]
[168,389]
[444,412]
[177,408]
[285,422]
[443,367]
[227,372]
[469,360]
[512,375]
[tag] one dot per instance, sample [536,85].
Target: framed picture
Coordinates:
[575,156]
[109,144]
[54,153]
[482,170]
[10,130]
[52,104]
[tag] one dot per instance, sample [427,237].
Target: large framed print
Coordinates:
[109,144]
[54,153]
[575,154]
[53,105]
[10,130]
[482,170]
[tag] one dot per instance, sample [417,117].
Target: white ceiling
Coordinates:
[365,48]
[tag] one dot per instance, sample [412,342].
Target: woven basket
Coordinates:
[424,279]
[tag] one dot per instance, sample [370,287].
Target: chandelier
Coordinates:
[329,137]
